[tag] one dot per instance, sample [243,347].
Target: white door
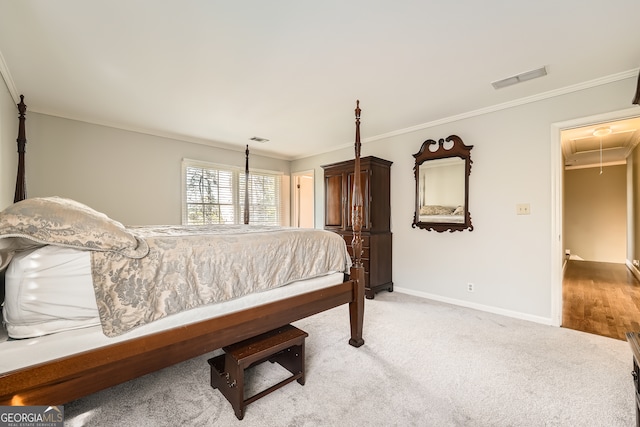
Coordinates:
[303,200]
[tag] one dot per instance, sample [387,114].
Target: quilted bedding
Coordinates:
[141,274]
[187,267]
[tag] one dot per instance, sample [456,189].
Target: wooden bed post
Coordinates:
[246,185]
[21,184]
[636,99]
[356,308]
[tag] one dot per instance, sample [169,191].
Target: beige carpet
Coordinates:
[424,363]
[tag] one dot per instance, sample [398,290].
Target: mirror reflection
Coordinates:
[442,171]
[441,190]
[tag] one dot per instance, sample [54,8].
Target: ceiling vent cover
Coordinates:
[519,78]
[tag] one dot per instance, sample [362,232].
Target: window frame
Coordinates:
[238,174]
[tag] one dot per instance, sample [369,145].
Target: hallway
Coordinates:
[600,298]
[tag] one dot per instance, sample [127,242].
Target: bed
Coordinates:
[68,362]
[444,214]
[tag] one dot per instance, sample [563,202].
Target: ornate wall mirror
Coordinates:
[442,172]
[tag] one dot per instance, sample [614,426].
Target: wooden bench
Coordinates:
[284,345]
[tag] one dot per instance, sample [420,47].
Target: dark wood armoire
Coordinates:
[375,176]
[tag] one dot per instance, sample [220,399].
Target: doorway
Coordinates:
[600,298]
[302,209]
[558,175]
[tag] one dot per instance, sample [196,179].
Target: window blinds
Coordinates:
[214,194]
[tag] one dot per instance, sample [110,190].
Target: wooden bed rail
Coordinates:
[68,378]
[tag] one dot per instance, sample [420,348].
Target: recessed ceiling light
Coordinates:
[519,78]
[259,139]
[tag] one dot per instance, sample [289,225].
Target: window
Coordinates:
[214,194]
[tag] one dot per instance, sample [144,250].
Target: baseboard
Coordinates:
[634,270]
[476,306]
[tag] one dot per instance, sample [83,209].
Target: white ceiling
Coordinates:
[221,72]
[581,148]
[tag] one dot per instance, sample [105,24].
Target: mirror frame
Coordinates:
[458,149]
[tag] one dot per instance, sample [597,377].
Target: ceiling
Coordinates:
[581,148]
[222,72]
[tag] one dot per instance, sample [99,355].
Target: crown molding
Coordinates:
[493,108]
[522,101]
[634,73]
[8,80]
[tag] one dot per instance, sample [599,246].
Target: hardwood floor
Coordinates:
[600,298]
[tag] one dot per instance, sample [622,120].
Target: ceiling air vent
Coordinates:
[258,139]
[519,78]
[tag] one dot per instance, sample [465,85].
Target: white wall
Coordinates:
[132,177]
[595,213]
[506,256]
[8,145]
[135,178]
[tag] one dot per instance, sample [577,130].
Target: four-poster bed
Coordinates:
[65,377]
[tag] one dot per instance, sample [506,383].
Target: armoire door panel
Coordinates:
[334,201]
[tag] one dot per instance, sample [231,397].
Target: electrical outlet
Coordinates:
[470,287]
[523,209]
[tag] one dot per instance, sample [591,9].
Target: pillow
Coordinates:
[63,222]
[459,211]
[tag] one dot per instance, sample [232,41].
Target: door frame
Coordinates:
[557,166]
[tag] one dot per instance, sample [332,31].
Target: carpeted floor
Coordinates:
[424,363]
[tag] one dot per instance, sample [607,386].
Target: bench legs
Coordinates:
[230,382]
[292,359]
